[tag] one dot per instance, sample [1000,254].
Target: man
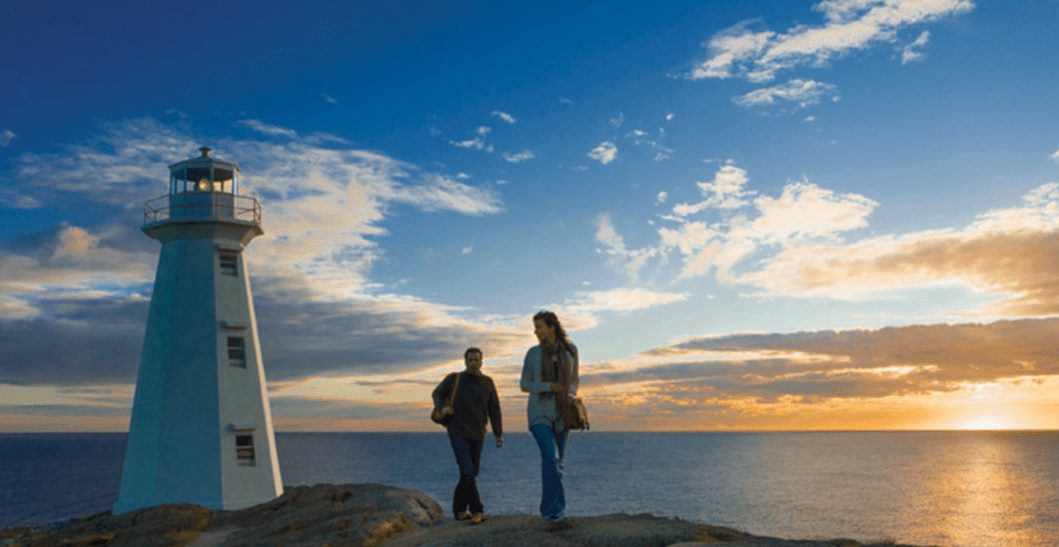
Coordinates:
[476,402]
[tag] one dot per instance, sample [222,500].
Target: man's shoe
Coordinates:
[463,515]
[477,518]
[558,524]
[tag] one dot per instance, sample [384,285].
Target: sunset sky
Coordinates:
[763,215]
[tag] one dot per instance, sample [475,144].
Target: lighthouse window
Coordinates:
[244,449]
[237,351]
[229,264]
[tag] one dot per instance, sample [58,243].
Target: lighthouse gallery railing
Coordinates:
[202,206]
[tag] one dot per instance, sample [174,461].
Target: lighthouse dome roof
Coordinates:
[204,161]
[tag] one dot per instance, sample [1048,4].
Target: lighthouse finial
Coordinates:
[205,151]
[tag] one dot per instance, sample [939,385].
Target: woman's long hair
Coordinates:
[552,321]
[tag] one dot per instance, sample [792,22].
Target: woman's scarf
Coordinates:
[552,373]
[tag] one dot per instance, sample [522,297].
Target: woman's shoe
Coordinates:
[477,518]
[463,515]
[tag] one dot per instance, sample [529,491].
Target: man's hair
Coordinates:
[470,351]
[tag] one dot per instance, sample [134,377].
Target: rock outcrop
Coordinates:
[372,514]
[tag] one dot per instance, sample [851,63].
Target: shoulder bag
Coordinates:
[445,419]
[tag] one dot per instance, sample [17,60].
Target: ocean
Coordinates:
[943,488]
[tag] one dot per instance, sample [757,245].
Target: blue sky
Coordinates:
[694,186]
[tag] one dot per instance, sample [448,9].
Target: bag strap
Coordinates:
[456,385]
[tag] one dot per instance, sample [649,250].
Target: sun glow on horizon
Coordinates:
[986,422]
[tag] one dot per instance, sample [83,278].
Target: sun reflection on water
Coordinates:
[986,498]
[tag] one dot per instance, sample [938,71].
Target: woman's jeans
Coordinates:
[552,445]
[468,454]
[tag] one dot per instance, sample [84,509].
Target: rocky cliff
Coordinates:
[372,514]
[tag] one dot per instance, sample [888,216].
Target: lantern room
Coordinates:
[202,189]
[204,174]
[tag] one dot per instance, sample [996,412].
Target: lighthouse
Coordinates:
[201,427]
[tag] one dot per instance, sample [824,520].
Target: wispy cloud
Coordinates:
[478,142]
[618,120]
[518,157]
[5,137]
[913,51]
[82,286]
[640,137]
[268,129]
[850,25]
[800,93]
[582,311]
[504,116]
[605,153]
[629,261]
[328,99]
[1055,156]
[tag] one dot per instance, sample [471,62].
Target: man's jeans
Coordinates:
[468,454]
[552,446]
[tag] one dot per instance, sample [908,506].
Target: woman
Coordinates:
[547,368]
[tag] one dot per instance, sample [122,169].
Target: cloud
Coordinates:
[72,263]
[623,300]
[850,25]
[892,361]
[72,302]
[88,340]
[805,211]
[643,138]
[518,157]
[504,116]
[725,191]
[911,52]
[328,99]
[732,224]
[802,243]
[802,93]
[661,197]
[730,48]
[478,142]
[467,250]
[605,153]
[616,121]
[5,137]
[670,116]
[582,310]
[1055,156]
[268,129]
[919,376]
[628,261]
[1006,252]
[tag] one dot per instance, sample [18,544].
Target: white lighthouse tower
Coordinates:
[201,428]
